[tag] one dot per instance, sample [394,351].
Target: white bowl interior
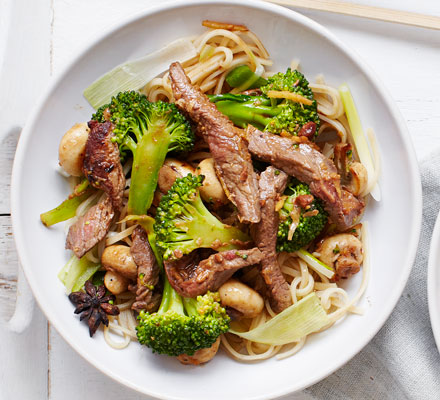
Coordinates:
[38,187]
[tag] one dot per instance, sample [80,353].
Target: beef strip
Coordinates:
[272,184]
[91,228]
[147,272]
[103,169]
[191,277]
[102,165]
[232,159]
[309,166]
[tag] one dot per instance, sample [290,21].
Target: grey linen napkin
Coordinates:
[402,361]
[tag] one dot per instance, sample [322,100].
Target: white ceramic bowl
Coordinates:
[395,225]
[434,282]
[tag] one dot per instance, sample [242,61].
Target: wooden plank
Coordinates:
[8,269]
[8,143]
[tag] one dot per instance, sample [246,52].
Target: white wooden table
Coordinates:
[38,364]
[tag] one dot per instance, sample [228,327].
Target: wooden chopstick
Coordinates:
[370,12]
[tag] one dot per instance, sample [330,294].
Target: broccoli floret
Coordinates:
[183,223]
[269,114]
[308,226]
[149,131]
[182,325]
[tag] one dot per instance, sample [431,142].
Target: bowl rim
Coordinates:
[18,226]
[433,278]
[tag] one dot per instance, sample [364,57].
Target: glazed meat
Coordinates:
[191,277]
[103,169]
[147,272]
[272,184]
[311,167]
[102,165]
[232,159]
[91,228]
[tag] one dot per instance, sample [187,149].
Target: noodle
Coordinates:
[231,49]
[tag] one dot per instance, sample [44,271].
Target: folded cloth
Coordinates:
[402,361]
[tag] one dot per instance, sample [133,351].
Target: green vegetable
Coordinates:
[244,78]
[76,272]
[184,224]
[308,227]
[272,115]
[316,264]
[295,322]
[134,74]
[98,278]
[149,131]
[206,52]
[359,139]
[67,209]
[182,325]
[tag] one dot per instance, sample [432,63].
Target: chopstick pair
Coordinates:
[363,11]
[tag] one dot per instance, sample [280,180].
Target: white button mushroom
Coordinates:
[343,252]
[115,283]
[118,258]
[212,190]
[241,297]
[200,356]
[170,171]
[72,149]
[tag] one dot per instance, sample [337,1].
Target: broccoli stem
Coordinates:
[207,225]
[243,110]
[190,306]
[171,300]
[242,114]
[149,156]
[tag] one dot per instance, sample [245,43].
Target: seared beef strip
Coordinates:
[232,159]
[191,277]
[102,165]
[103,169]
[309,166]
[147,272]
[91,228]
[272,184]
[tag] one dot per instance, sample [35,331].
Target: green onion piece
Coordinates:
[299,320]
[134,74]
[244,78]
[76,272]
[66,209]
[316,264]
[207,52]
[81,187]
[358,135]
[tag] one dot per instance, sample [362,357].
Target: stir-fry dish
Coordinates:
[215,202]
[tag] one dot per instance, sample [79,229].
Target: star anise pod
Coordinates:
[93,306]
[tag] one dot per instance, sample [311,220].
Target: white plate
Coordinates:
[434,282]
[395,225]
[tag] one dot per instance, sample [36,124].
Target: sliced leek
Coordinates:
[359,138]
[316,264]
[134,74]
[76,272]
[299,320]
